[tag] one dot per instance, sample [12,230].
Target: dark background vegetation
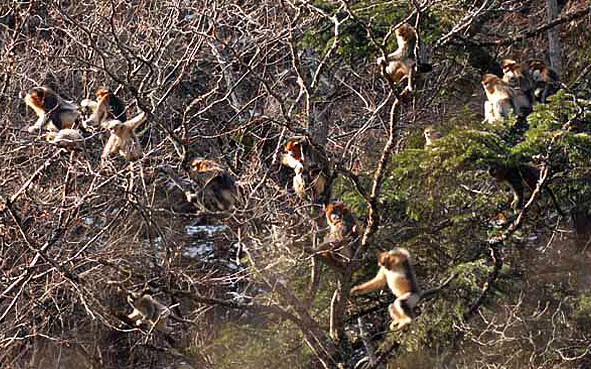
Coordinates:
[232,81]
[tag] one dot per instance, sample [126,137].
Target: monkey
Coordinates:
[123,139]
[339,245]
[67,138]
[403,62]
[341,222]
[107,106]
[431,134]
[519,77]
[501,98]
[309,164]
[396,272]
[520,177]
[292,155]
[546,79]
[219,191]
[52,111]
[147,310]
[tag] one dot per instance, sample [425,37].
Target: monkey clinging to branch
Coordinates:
[406,60]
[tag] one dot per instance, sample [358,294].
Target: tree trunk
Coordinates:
[553,37]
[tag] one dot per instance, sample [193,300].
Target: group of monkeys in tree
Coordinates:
[310,176]
[59,117]
[522,85]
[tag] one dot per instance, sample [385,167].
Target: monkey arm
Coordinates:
[111,146]
[378,282]
[136,121]
[98,110]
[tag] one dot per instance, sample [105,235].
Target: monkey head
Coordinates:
[102,93]
[335,213]
[393,258]
[513,74]
[294,147]
[540,70]
[41,98]
[431,134]
[203,165]
[116,127]
[406,33]
[489,82]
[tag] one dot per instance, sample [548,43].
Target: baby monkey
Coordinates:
[67,138]
[146,310]
[52,111]
[520,177]
[396,272]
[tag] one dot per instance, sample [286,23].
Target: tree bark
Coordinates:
[553,37]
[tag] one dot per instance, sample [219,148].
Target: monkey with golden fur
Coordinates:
[519,178]
[309,165]
[106,107]
[396,272]
[219,191]
[403,62]
[123,139]
[52,111]
[520,79]
[501,98]
[146,310]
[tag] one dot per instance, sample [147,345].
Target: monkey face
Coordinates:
[102,92]
[431,133]
[35,97]
[116,128]
[406,32]
[335,213]
[489,82]
[513,75]
[294,147]
[203,165]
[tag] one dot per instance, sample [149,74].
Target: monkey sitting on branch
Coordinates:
[52,111]
[146,310]
[218,191]
[309,164]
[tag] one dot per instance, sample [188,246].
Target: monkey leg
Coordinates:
[394,314]
[403,309]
